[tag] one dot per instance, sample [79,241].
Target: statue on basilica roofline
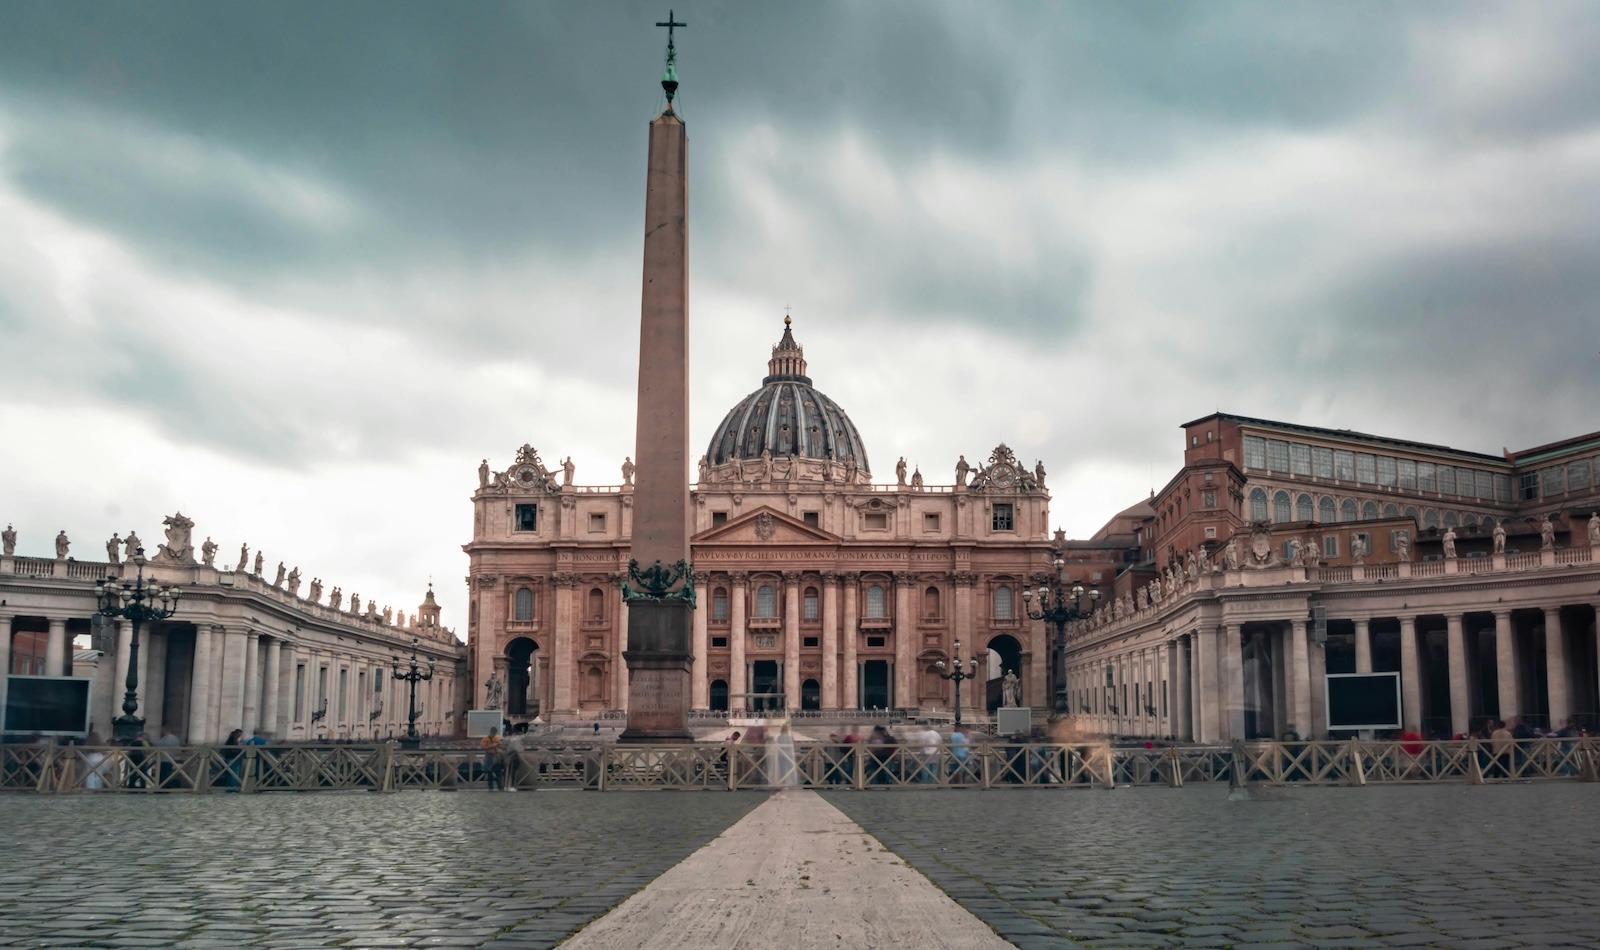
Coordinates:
[208,552]
[131,544]
[294,582]
[567,469]
[962,470]
[314,592]
[1038,473]
[336,599]
[244,557]
[627,470]
[278,581]
[114,549]
[483,474]
[900,472]
[62,544]
[8,541]
[261,560]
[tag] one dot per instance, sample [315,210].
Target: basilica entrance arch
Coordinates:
[522,682]
[811,695]
[1005,653]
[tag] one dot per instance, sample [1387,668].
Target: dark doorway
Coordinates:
[810,695]
[875,684]
[177,680]
[766,678]
[520,663]
[719,695]
[1009,652]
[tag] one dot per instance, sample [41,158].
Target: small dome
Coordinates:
[786,417]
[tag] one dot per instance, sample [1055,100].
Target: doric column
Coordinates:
[737,680]
[1182,693]
[1207,698]
[200,688]
[231,706]
[1363,645]
[905,645]
[55,649]
[1299,678]
[1555,661]
[252,682]
[1159,684]
[1410,674]
[850,694]
[1505,664]
[830,640]
[699,689]
[1460,703]
[269,708]
[791,639]
[1232,672]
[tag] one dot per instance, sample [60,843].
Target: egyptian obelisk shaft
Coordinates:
[660,589]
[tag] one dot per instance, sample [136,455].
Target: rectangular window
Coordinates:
[1322,462]
[1002,517]
[1277,455]
[811,641]
[875,641]
[1330,545]
[1386,471]
[1426,479]
[1447,480]
[719,606]
[766,602]
[1299,458]
[1366,468]
[377,680]
[1555,481]
[344,692]
[719,518]
[812,519]
[876,609]
[813,610]
[1528,486]
[719,641]
[322,687]
[1344,466]
[527,518]
[299,691]
[1209,499]
[1486,485]
[876,521]
[1211,532]
[597,521]
[1577,476]
[1255,452]
[930,521]
[1408,473]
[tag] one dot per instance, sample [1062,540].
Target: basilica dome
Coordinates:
[787,419]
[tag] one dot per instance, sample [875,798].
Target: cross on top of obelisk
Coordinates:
[669,76]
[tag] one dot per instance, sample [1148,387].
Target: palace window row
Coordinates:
[1386,471]
[1327,511]
[875,603]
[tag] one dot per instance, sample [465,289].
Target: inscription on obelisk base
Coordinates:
[658,672]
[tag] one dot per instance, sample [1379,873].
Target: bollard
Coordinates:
[1358,768]
[1238,787]
[1474,767]
[247,778]
[1174,768]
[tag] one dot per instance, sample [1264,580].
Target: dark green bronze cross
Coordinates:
[669,25]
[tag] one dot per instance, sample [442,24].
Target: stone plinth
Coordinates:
[659,665]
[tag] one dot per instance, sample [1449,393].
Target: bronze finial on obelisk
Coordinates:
[660,585]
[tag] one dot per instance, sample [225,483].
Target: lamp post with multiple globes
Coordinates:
[1060,603]
[138,604]
[959,673]
[413,676]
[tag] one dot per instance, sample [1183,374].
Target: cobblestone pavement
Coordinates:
[337,869]
[1455,866]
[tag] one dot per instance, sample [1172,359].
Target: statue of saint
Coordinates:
[1011,689]
[261,559]
[278,581]
[1500,537]
[1402,547]
[567,468]
[627,470]
[8,541]
[1547,534]
[705,468]
[244,556]
[1231,554]
[900,472]
[483,474]
[1594,530]
[1038,473]
[355,604]
[1449,543]
[962,471]
[314,592]
[850,469]
[336,598]
[114,549]
[208,552]
[388,615]
[62,544]
[492,691]
[294,582]
[132,545]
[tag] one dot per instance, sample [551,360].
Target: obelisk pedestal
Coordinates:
[660,587]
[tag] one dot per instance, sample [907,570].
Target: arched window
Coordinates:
[1471,520]
[719,604]
[1412,513]
[1280,507]
[1258,504]
[1430,518]
[524,604]
[766,602]
[1369,511]
[719,695]
[1002,603]
[597,604]
[811,604]
[876,608]
[1325,510]
[1451,520]
[1488,523]
[1391,510]
[1303,508]
[930,603]
[1347,510]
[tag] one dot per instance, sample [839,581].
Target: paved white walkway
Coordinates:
[795,872]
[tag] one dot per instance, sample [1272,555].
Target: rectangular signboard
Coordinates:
[480,721]
[47,705]
[1363,701]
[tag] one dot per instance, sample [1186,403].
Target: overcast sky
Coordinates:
[294,268]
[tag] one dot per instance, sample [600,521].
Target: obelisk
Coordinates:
[660,585]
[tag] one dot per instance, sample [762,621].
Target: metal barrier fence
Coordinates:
[386,768]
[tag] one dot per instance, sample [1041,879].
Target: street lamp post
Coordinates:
[959,673]
[136,603]
[413,676]
[1060,603]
